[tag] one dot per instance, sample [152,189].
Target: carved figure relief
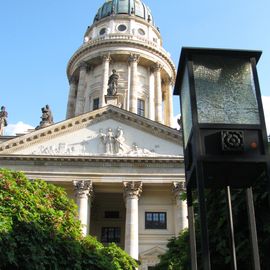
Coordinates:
[108,142]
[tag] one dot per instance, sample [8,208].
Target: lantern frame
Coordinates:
[239,166]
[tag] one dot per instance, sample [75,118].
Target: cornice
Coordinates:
[125,40]
[92,161]
[85,120]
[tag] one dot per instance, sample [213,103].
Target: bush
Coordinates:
[39,229]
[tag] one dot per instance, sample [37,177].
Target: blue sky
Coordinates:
[39,37]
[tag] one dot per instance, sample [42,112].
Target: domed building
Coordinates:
[116,154]
[123,37]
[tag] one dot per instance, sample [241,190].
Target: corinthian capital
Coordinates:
[132,189]
[83,188]
[178,188]
[73,80]
[106,58]
[171,81]
[134,58]
[157,67]
[83,65]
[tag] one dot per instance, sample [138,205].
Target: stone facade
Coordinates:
[122,164]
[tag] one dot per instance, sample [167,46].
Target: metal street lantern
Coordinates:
[225,139]
[222,116]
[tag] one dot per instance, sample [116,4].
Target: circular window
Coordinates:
[141,31]
[122,28]
[102,31]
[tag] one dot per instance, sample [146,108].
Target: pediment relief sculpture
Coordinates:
[107,142]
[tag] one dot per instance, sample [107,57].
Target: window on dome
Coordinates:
[123,6]
[95,104]
[141,31]
[140,107]
[122,28]
[102,31]
[139,9]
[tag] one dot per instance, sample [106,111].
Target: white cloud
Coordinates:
[13,129]
[175,123]
[266,108]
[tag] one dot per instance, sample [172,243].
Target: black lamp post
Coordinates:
[225,139]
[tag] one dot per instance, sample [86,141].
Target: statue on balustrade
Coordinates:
[3,119]
[46,117]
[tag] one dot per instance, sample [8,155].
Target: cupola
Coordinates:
[128,7]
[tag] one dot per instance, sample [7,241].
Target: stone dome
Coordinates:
[129,7]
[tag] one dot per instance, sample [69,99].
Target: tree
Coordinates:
[178,257]
[39,229]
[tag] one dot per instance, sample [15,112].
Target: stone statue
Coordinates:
[112,83]
[3,119]
[108,140]
[114,142]
[119,141]
[46,117]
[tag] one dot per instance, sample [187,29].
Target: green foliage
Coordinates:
[177,256]
[39,229]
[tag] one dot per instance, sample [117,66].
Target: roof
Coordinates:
[129,7]
[17,144]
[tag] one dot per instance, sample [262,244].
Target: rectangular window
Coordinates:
[95,104]
[155,220]
[140,107]
[111,214]
[110,234]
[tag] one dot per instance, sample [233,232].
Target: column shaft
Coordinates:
[133,95]
[72,97]
[158,93]
[106,67]
[180,207]
[81,90]
[83,192]
[168,105]
[151,107]
[132,191]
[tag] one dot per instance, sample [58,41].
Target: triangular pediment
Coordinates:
[109,131]
[153,252]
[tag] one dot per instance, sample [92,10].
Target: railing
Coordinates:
[125,37]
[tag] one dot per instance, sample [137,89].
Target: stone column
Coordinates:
[133,60]
[180,208]
[158,93]
[151,104]
[168,104]
[132,191]
[81,89]
[73,83]
[83,193]
[105,67]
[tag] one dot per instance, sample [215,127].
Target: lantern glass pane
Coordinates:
[186,107]
[225,90]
